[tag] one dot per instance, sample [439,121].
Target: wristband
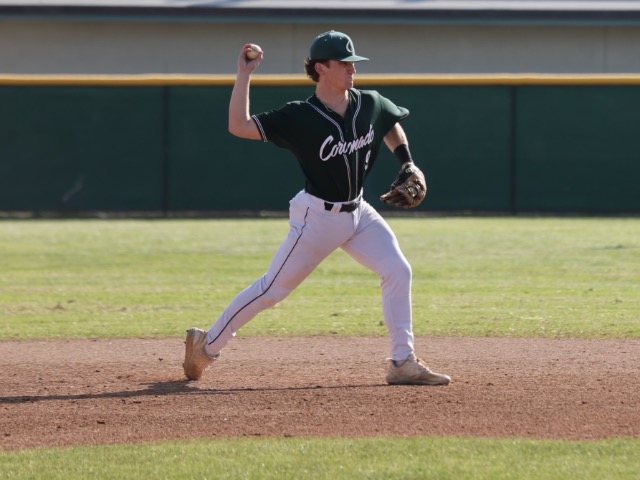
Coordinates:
[403,154]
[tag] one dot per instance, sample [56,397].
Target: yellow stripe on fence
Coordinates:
[154,80]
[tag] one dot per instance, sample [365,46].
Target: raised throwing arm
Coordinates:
[240,122]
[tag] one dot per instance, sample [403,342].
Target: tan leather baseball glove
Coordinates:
[408,190]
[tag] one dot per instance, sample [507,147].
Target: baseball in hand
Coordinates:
[254,52]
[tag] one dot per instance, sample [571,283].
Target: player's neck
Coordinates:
[334,101]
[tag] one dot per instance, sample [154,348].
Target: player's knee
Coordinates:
[273,296]
[399,267]
[398,271]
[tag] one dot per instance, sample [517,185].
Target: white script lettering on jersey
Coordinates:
[329,149]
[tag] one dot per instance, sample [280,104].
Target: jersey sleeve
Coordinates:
[394,111]
[276,126]
[389,112]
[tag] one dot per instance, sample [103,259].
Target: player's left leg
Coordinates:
[375,246]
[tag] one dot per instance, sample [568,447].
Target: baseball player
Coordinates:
[335,135]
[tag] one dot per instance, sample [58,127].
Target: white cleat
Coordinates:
[414,372]
[195,358]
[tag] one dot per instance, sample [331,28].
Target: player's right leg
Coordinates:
[314,233]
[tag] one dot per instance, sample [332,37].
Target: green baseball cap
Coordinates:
[334,45]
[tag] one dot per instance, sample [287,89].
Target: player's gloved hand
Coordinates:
[408,190]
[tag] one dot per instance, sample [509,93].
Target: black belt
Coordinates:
[346,207]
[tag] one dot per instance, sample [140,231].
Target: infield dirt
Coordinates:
[62,393]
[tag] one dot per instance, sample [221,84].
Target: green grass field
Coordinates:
[525,277]
[472,276]
[277,459]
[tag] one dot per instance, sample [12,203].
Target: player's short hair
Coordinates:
[310,68]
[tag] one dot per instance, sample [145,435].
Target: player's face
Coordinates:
[340,74]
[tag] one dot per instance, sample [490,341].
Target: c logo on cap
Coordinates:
[349,47]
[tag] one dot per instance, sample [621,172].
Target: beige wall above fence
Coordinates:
[77,46]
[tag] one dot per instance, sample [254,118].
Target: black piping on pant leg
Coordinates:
[270,284]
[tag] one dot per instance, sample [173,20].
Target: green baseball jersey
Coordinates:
[336,154]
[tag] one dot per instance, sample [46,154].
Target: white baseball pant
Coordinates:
[314,234]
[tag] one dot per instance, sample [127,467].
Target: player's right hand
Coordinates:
[244,64]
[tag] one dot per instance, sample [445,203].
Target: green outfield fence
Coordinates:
[159,144]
